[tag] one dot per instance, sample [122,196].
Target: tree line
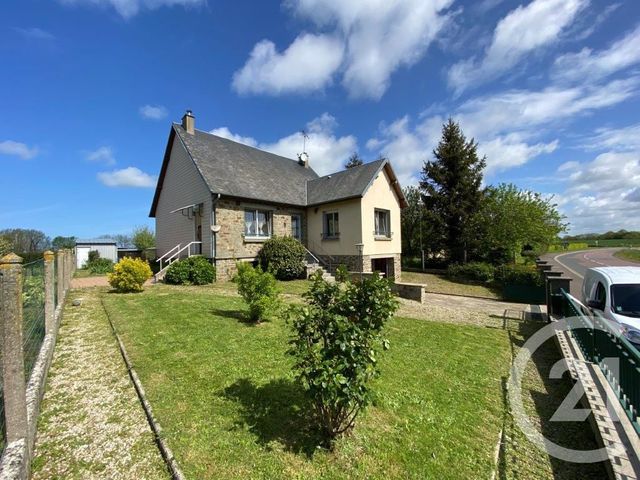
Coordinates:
[31,241]
[453,218]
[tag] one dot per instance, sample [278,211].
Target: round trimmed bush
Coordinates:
[194,270]
[284,257]
[129,275]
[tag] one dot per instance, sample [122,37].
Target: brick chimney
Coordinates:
[189,122]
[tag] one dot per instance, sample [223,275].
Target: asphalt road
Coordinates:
[575,264]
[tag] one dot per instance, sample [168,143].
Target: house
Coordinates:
[223,199]
[106,248]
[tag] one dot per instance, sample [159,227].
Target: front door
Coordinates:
[296,227]
[197,217]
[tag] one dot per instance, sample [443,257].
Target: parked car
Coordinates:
[614,292]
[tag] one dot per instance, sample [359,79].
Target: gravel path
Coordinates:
[91,424]
[458,309]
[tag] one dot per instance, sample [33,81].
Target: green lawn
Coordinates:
[223,391]
[442,284]
[632,255]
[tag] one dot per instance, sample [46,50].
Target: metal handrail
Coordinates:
[159,259]
[176,255]
[599,345]
[314,246]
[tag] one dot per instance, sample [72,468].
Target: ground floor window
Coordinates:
[296,227]
[331,225]
[257,223]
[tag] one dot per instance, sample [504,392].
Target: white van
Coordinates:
[615,293]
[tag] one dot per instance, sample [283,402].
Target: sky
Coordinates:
[88,90]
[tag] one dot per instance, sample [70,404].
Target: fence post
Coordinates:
[60,274]
[49,285]
[14,383]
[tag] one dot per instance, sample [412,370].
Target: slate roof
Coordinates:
[349,183]
[237,170]
[96,241]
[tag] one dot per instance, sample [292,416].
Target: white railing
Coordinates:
[170,257]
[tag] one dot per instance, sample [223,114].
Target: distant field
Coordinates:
[621,242]
[631,255]
[590,242]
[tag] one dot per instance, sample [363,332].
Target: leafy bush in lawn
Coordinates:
[129,275]
[472,271]
[342,274]
[518,275]
[284,257]
[100,266]
[260,290]
[194,270]
[93,256]
[337,337]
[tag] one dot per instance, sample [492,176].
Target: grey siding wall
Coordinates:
[106,251]
[182,186]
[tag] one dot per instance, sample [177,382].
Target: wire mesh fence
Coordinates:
[3,430]
[33,297]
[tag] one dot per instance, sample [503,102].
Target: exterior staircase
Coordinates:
[314,267]
[314,264]
[173,255]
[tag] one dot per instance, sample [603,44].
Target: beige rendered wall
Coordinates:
[349,220]
[380,195]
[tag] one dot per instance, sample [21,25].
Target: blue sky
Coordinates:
[549,89]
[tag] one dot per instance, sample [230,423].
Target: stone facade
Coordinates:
[363,263]
[231,245]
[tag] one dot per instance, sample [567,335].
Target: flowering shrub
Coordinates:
[129,275]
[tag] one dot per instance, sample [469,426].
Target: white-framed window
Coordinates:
[257,223]
[296,227]
[331,225]
[382,220]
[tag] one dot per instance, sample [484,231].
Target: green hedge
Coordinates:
[472,271]
[100,266]
[518,275]
[194,270]
[559,247]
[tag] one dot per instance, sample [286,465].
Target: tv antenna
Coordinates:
[305,137]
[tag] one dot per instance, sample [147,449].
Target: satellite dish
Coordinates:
[215,228]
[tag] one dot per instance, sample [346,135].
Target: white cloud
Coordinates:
[618,139]
[224,132]
[102,155]
[511,127]
[524,109]
[408,148]
[327,152]
[602,194]
[35,33]
[591,65]
[308,64]
[127,177]
[511,151]
[363,40]
[523,30]
[153,112]
[130,8]
[17,149]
